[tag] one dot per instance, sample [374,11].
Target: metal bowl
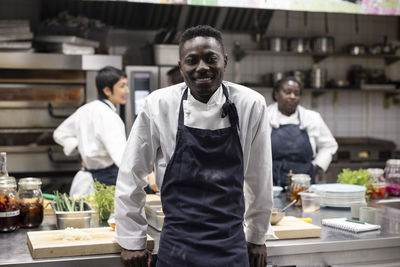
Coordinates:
[276,216]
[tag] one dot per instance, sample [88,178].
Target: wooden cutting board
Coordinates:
[44,244]
[290,228]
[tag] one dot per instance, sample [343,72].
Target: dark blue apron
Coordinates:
[202,197]
[106,175]
[291,150]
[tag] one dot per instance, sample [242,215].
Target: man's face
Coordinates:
[202,66]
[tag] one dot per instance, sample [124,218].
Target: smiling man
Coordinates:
[209,143]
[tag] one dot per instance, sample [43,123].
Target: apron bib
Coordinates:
[202,197]
[291,150]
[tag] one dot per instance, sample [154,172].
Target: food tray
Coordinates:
[76,219]
[155,216]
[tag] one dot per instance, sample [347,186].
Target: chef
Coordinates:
[301,141]
[97,131]
[209,141]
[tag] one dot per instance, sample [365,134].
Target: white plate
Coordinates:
[338,188]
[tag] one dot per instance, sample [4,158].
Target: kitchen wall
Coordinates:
[351,113]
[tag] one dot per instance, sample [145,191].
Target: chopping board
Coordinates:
[44,244]
[290,228]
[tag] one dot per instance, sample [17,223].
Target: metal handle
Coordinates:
[51,113]
[67,161]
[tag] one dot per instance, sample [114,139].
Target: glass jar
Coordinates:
[9,210]
[392,176]
[300,182]
[3,164]
[30,201]
[377,182]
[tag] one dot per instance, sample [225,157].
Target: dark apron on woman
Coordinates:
[202,197]
[106,175]
[291,150]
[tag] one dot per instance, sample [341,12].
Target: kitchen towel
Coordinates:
[344,224]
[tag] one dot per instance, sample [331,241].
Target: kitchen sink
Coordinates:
[392,203]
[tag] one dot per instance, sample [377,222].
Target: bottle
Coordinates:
[300,182]
[30,201]
[392,177]
[9,210]
[289,185]
[3,164]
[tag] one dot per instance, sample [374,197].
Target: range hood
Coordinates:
[144,16]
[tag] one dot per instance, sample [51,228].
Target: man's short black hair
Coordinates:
[201,30]
[278,86]
[108,77]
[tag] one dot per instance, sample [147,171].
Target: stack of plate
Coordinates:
[339,195]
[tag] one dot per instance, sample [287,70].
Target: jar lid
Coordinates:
[393,163]
[375,172]
[30,182]
[8,182]
[301,177]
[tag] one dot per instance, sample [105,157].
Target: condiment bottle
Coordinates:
[300,182]
[30,201]
[9,210]
[392,176]
[3,163]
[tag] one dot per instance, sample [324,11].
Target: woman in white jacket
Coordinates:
[300,139]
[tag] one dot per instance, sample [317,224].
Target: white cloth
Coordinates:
[97,131]
[152,143]
[323,143]
[82,184]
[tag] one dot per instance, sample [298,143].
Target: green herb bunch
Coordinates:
[358,177]
[104,197]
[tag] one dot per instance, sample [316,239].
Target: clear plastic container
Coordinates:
[309,201]
[300,182]
[392,176]
[378,182]
[30,201]
[9,210]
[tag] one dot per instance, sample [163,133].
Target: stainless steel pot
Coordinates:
[357,49]
[277,44]
[277,76]
[318,77]
[299,45]
[323,44]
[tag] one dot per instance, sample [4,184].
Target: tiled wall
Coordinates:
[346,113]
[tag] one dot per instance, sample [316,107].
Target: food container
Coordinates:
[155,216]
[300,182]
[378,182]
[309,201]
[392,176]
[30,201]
[76,219]
[9,211]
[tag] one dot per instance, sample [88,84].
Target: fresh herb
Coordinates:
[104,198]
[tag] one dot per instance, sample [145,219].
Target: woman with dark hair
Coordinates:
[301,142]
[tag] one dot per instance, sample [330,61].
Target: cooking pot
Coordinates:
[299,45]
[277,76]
[300,76]
[323,44]
[277,44]
[318,77]
[357,49]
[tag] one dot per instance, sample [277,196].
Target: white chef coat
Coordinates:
[97,131]
[152,143]
[323,143]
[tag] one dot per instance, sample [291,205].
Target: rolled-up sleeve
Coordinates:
[258,179]
[130,197]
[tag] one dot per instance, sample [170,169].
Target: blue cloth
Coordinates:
[291,150]
[202,198]
[107,175]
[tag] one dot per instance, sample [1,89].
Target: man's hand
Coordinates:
[257,255]
[136,258]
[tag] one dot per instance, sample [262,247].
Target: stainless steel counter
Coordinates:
[335,247]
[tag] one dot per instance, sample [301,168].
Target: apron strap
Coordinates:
[228,108]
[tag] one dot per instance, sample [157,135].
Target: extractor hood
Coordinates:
[144,16]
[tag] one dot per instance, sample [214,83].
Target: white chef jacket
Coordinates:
[323,143]
[152,143]
[97,131]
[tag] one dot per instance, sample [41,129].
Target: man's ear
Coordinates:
[107,91]
[225,60]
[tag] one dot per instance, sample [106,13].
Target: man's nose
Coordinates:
[202,66]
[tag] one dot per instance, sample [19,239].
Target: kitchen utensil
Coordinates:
[317,77]
[339,195]
[309,201]
[368,215]
[323,44]
[277,44]
[357,49]
[299,45]
[45,244]
[355,209]
[300,75]
[276,216]
[288,205]
[76,219]
[291,227]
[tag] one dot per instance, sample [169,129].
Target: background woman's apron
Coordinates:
[202,197]
[291,150]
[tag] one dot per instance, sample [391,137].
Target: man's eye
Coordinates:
[212,59]
[191,61]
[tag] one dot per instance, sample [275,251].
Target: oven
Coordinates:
[359,152]
[39,91]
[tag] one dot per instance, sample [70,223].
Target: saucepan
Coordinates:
[277,214]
